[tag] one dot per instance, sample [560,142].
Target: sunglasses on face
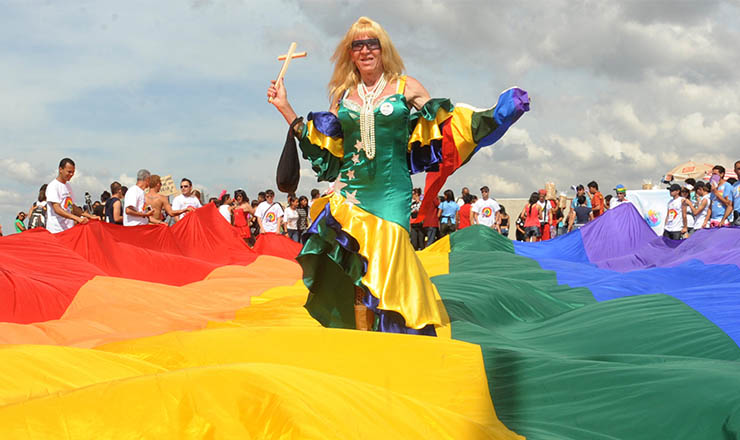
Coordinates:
[184,186]
[370,43]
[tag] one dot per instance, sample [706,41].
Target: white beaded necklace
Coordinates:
[367,115]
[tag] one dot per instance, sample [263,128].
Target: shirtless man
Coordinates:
[160,202]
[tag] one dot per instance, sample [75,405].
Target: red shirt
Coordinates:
[431,221]
[597,204]
[464,213]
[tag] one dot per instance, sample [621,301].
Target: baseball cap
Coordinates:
[620,188]
[542,191]
[674,187]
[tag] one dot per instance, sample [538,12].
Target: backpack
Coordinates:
[37,218]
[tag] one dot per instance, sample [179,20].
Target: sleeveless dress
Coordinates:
[359,235]
[240,223]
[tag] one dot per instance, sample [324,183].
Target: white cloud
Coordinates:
[579,148]
[501,187]
[627,153]
[9,197]
[20,170]
[625,113]
[695,129]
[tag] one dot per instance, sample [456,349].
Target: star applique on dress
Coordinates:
[350,174]
[358,146]
[356,158]
[351,197]
[338,185]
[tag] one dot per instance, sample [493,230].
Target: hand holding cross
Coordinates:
[287,58]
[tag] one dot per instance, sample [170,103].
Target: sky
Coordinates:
[620,92]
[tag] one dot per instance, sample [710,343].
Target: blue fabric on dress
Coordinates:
[327,123]
[424,158]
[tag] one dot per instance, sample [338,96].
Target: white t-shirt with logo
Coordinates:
[699,219]
[486,210]
[675,218]
[135,198]
[61,193]
[183,202]
[269,214]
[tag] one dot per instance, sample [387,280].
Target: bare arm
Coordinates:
[130,210]
[117,216]
[248,209]
[728,208]
[280,100]
[62,213]
[571,218]
[415,93]
[171,212]
[709,215]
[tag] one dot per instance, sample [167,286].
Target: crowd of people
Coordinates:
[143,204]
[693,205]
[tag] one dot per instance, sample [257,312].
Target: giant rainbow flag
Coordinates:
[609,332]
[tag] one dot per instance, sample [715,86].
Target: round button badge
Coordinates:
[386,109]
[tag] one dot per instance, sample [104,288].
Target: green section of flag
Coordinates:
[562,366]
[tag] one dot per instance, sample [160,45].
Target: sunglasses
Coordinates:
[370,43]
[184,186]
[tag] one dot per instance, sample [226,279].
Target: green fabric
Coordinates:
[482,124]
[18,226]
[381,185]
[429,111]
[330,272]
[562,366]
[324,164]
[480,238]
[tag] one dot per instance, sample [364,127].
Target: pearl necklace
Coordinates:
[367,115]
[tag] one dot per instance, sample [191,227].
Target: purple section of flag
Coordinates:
[620,240]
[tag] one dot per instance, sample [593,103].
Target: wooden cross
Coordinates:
[286,61]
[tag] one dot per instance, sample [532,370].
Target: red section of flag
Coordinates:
[40,273]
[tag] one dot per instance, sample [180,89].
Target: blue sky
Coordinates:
[621,91]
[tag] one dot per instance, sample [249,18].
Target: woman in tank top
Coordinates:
[531,214]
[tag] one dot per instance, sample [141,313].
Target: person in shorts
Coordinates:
[531,214]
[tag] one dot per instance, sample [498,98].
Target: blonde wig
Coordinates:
[346,75]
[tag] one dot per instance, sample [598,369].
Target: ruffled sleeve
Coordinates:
[321,144]
[443,137]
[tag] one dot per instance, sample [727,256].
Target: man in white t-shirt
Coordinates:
[135,212]
[269,214]
[674,220]
[62,213]
[486,211]
[186,199]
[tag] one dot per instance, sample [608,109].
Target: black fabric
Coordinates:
[289,168]
[109,210]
